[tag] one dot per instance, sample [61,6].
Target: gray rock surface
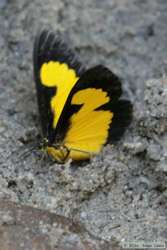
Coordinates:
[122,192]
[23,227]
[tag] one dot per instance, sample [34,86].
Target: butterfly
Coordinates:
[80,110]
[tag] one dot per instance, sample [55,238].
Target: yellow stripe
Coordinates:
[60,76]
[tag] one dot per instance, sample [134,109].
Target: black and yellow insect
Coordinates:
[80,110]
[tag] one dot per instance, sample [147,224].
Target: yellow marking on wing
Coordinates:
[89,128]
[60,76]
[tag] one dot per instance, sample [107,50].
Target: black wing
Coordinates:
[102,79]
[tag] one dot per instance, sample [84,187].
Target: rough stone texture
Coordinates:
[123,191]
[23,227]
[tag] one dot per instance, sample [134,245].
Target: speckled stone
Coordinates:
[122,191]
[23,227]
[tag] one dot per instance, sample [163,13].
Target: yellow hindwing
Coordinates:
[89,127]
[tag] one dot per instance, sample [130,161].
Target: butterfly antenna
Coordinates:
[27,152]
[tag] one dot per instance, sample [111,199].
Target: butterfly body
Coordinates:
[80,110]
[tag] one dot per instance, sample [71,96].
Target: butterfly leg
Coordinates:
[65,153]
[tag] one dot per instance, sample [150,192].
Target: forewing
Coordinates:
[56,70]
